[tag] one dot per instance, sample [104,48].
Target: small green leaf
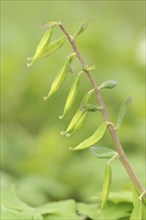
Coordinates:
[102,152]
[61,77]
[137,211]
[53,46]
[89,107]
[41,47]
[71,96]
[89,68]
[94,138]
[106,184]
[108,84]
[81,29]
[122,111]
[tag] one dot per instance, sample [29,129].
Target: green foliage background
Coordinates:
[34,155]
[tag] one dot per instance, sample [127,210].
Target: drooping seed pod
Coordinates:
[41,47]
[73,123]
[108,84]
[94,138]
[71,96]
[53,46]
[78,124]
[106,185]
[60,78]
[78,118]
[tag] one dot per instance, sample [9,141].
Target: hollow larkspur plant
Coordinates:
[46,48]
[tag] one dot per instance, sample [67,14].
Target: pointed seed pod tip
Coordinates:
[62,133]
[45,98]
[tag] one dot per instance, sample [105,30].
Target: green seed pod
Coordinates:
[78,124]
[108,84]
[94,138]
[71,96]
[137,211]
[60,78]
[53,46]
[73,122]
[41,47]
[106,184]
[78,118]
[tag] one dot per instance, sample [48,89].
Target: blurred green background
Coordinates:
[34,155]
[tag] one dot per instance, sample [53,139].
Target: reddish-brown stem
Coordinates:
[104,112]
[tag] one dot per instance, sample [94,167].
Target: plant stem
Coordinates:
[104,112]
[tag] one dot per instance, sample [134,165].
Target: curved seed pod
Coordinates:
[122,111]
[94,138]
[60,78]
[106,184]
[87,96]
[41,47]
[78,124]
[71,96]
[73,122]
[137,211]
[53,46]
[108,84]
[77,117]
